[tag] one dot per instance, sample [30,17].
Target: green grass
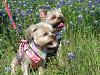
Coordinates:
[84,40]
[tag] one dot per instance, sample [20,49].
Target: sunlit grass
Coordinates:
[82,34]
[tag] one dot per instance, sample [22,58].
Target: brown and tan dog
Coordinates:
[39,37]
[56,19]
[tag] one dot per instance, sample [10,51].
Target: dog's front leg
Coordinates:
[13,66]
[25,67]
[41,67]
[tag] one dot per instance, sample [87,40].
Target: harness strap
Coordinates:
[33,57]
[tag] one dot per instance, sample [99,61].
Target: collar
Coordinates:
[41,53]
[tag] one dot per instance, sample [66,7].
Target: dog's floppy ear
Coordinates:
[29,32]
[42,14]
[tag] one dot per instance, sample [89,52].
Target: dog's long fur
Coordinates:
[54,17]
[41,34]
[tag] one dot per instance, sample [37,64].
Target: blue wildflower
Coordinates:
[80,0]
[71,56]
[78,8]
[58,5]
[32,0]
[90,3]
[23,14]
[18,10]
[7,69]
[69,2]
[86,10]
[19,27]
[19,2]
[51,0]
[29,11]
[92,13]
[80,18]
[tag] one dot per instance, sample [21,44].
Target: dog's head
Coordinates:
[41,34]
[53,16]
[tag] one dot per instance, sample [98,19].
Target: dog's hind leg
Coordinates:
[25,67]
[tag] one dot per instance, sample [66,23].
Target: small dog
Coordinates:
[32,51]
[56,19]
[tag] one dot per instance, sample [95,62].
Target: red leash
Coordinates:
[9,15]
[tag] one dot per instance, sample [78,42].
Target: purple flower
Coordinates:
[71,56]
[19,28]
[58,5]
[23,14]
[80,0]
[90,3]
[92,13]
[86,10]
[68,3]
[1,13]
[7,69]
[19,3]
[97,1]
[71,25]
[80,18]
[29,11]
[51,0]
[32,0]
[18,10]
[79,9]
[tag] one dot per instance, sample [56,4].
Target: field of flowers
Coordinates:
[80,37]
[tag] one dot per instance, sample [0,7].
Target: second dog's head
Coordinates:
[53,16]
[41,34]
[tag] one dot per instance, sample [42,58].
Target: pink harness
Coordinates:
[32,52]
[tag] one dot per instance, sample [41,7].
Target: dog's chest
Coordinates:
[29,54]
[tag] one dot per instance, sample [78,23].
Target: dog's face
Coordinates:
[41,34]
[54,17]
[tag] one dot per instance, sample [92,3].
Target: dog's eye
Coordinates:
[45,34]
[53,17]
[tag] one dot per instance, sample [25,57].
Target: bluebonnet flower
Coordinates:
[7,69]
[80,18]
[51,0]
[97,1]
[78,8]
[66,42]
[32,0]
[93,7]
[90,3]
[19,2]
[18,10]
[86,10]
[29,11]
[19,28]
[71,25]
[1,13]
[69,2]
[23,14]
[92,13]
[58,5]
[62,2]
[71,56]
[80,0]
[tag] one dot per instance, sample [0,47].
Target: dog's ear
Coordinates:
[42,14]
[29,32]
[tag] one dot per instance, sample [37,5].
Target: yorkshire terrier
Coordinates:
[33,50]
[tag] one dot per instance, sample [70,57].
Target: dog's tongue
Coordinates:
[61,25]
